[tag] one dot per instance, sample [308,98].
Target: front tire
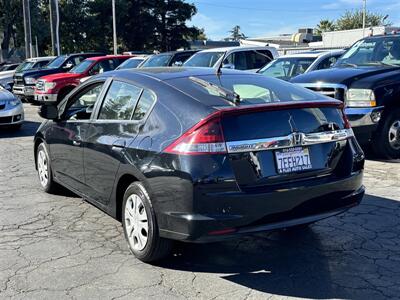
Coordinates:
[140,225]
[386,143]
[44,170]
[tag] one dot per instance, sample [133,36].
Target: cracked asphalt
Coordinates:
[61,247]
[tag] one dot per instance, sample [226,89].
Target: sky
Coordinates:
[258,18]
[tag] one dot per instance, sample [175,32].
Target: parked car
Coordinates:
[8,67]
[167,59]
[24,81]
[6,77]
[288,66]
[367,79]
[53,88]
[239,58]
[131,63]
[191,155]
[11,110]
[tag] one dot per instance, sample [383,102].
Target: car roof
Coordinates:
[177,52]
[313,54]
[104,57]
[244,48]
[41,58]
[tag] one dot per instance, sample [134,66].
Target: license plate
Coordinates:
[292,160]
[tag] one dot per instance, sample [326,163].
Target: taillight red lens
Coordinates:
[204,138]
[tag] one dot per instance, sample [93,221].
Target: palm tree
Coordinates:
[325,25]
[236,34]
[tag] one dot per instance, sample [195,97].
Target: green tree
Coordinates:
[354,20]
[236,34]
[324,26]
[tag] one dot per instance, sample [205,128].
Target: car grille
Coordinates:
[40,85]
[5,120]
[18,80]
[336,91]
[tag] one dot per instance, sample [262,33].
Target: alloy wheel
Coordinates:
[43,168]
[136,222]
[394,135]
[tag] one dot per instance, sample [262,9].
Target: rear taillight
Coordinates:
[204,138]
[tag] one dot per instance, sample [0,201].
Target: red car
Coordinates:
[53,88]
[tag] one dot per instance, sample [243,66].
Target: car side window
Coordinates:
[41,64]
[145,103]
[327,62]
[102,66]
[80,107]
[237,59]
[257,59]
[179,59]
[120,101]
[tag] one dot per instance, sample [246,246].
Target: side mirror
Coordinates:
[49,112]
[68,66]
[228,66]
[89,109]
[178,64]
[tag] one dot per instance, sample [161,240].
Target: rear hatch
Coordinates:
[275,144]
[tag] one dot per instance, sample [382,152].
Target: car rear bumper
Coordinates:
[12,116]
[364,122]
[237,213]
[46,98]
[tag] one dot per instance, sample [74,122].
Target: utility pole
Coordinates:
[114,28]
[364,15]
[27,28]
[54,27]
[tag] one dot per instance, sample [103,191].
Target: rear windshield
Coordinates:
[287,67]
[204,59]
[160,60]
[130,63]
[252,89]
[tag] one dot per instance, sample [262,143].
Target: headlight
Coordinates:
[49,85]
[30,80]
[15,102]
[360,98]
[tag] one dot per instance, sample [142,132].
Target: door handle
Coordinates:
[118,145]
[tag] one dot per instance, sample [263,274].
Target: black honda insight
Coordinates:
[199,156]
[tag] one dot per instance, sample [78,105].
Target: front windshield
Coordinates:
[130,63]
[157,61]
[204,59]
[286,68]
[82,67]
[372,51]
[25,66]
[57,62]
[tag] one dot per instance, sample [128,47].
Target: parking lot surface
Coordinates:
[61,247]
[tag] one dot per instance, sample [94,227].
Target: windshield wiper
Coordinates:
[222,92]
[349,64]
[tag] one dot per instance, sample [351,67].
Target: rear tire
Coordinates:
[386,143]
[44,171]
[140,225]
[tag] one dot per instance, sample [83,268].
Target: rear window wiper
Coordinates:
[224,93]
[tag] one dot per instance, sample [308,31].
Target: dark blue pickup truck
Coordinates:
[24,82]
[367,79]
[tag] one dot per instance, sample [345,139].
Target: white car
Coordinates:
[239,58]
[288,66]
[132,63]
[11,110]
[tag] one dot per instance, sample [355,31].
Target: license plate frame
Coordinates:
[293,160]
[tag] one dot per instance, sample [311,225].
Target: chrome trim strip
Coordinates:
[323,85]
[291,140]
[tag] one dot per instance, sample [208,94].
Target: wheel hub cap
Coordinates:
[136,222]
[394,135]
[43,168]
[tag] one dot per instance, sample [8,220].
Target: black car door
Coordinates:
[109,133]
[66,138]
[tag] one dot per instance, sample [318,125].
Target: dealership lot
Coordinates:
[60,247]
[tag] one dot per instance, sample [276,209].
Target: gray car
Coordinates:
[11,110]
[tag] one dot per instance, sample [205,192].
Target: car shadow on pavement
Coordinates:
[350,256]
[28,128]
